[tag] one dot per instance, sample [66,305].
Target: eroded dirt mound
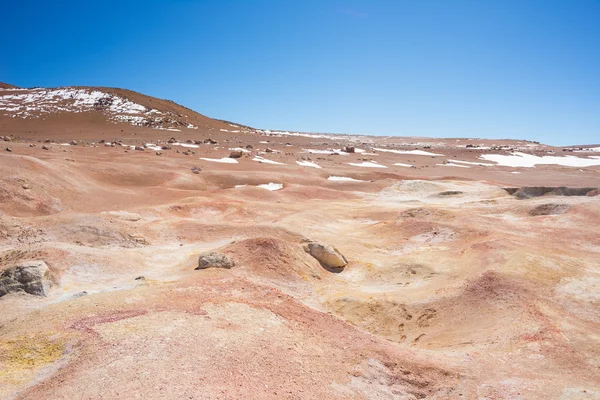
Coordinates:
[274,258]
[548,209]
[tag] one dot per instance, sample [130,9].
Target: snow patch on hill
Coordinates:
[39,102]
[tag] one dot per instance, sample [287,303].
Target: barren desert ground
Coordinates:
[471,266]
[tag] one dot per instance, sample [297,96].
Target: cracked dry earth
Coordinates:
[454,288]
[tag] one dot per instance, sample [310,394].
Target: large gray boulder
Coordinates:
[214,259]
[328,256]
[31,277]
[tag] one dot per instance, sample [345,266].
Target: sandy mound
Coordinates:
[273,258]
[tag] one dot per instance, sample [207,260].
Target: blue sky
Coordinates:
[482,68]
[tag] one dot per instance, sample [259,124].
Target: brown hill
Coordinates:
[95,113]
[7,86]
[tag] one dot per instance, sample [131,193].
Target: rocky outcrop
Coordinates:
[537,191]
[31,277]
[328,256]
[215,259]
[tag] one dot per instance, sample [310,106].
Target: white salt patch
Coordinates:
[239,149]
[413,152]
[224,160]
[263,142]
[452,165]
[343,179]
[240,186]
[367,164]
[193,146]
[329,151]
[403,165]
[152,146]
[473,163]
[265,161]
[515,172]
[271,186]
[518,159]
[308,164]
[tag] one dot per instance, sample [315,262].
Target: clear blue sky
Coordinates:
[480,68]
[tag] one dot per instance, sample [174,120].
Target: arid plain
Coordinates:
[472,264]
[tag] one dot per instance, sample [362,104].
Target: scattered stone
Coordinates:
[80,294]
[166,148]
[349,149]
[159,153]
[44,147]
[268,150]
[172,140]
[139,148]
[187,153]
[73,142]
[140,278]
[249,147]
[31,277]
[450,193]
[236,154]
[214,259]
[328,256]
[31,145]
[210,141]
[8,149]
[196,170]
[25,186]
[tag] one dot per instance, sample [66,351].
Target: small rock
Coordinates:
[214,259]
[349,149]
[210,141]
[159,153]
[196,170]
[80,294]
[249,147]
[139,148]
[172,140]
[31,277]
[235,154]
[268,150]
[31,145]
[25,186]
[73,142]
[327,255]
[8,149]
[44,147]
[140,278]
